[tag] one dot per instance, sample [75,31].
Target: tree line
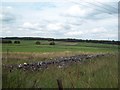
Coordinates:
[9,42]
[18,42]
[66,40]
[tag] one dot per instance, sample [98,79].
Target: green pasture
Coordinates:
[30,46]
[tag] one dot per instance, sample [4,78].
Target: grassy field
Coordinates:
[100,72]
[30,46]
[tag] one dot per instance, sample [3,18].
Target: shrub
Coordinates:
[7,41]
[16,42]
[38,43]
[52,43]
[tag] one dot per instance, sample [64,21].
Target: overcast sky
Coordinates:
[83,19]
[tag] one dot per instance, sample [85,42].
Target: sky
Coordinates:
[80,19]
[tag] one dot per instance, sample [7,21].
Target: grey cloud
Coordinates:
[8,18]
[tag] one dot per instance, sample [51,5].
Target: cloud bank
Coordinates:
[70,19]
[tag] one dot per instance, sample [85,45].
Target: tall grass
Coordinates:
[95,73]
[28,57]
